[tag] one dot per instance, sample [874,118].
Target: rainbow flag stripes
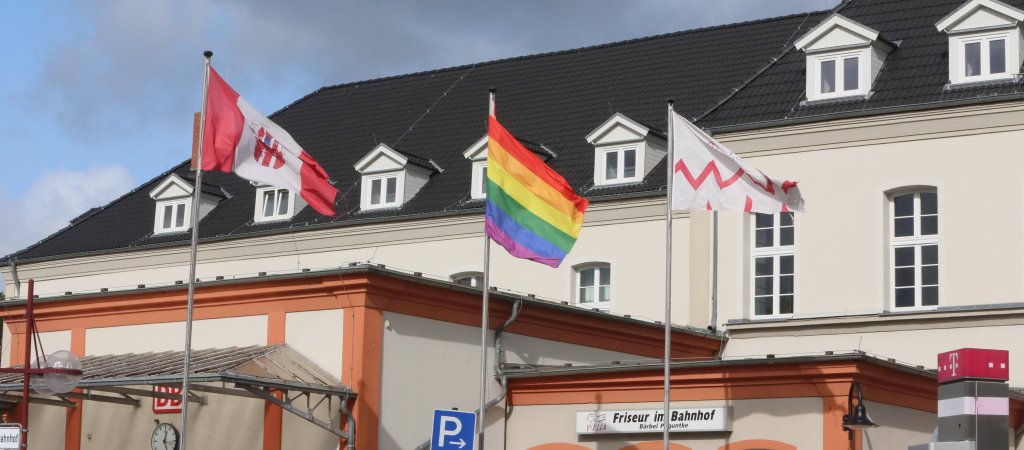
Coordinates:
[531,210]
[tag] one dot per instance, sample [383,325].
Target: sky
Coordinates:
[97,97]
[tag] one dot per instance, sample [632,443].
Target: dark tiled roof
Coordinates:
[735,75]
[552,99]
[914,74]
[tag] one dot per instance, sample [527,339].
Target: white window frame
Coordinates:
[368,191]
[260,215]
[917,241]
[186,211]
[476,279]
[576,286]
[479,184]
[776,251]
[986,63]
[620,177]
[840,74]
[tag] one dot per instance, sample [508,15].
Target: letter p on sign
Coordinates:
[453,430]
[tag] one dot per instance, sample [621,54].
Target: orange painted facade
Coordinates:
[364,296]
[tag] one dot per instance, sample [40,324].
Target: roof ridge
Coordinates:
[546,54]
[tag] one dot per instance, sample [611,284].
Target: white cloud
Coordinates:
[54,199]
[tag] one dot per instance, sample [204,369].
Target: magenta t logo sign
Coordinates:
[954,359]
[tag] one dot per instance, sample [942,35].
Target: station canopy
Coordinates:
[260,372]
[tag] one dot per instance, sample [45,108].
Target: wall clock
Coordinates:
[165,437]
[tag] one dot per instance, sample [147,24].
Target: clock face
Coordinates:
[165,437]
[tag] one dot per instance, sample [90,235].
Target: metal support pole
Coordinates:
[714,271]
[484,316]
[30,321]
[668,273]
[192,261]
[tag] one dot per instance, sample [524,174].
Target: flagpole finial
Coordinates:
[208,54]
[671,100]
[492,89]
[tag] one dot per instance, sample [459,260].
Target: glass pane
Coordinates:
[997,56]
[629,164]
[786,219]
[904,277]
[268,203]
[465,281]
[605,275]
[904,256]
[972,59]
[929,275]
[903,205]
[904,297]
[587,277]
[786,236]
[168,214]
[586,295]
[763,306]
[604,294]
[930,254]
[786,264]
[483,181]
[375,192]
[392,189]
[850,78]
[786,284]
[930,296]
[477,281]
[763,266]
[785,304]
[763,220]
[763,286]
[929,225]
[282,207]
[764,238]
[179,219]
[828,77]
[611,165]
[904,227]
[929,203]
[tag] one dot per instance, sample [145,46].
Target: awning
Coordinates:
[256,372]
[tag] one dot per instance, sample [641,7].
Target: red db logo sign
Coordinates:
[167,405]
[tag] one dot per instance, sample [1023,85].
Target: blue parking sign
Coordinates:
[453,430]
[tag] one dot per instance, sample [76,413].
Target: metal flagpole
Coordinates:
[192,261]
[670,160]
[484,315]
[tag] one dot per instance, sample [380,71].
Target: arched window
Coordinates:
[773,264]
[471,279]
[593,285]
[914,248]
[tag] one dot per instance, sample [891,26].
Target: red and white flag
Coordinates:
[237,138]
[706,175]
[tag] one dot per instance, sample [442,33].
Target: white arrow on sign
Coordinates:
[461,443]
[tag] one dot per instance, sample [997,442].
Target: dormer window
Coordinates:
[624,151]
[843,58]
[273,204]
[477,153]
[984,41]
[391,178]
[173,198]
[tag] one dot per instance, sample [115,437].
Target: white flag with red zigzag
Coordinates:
[707,176]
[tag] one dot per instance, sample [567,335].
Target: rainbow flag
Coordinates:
[531,210]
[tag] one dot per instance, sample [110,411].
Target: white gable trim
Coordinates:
[971,7]
[617,120]
[381,150]
[173,182]
[828,26]
[477,151]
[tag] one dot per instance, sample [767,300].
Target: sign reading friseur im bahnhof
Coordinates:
[652,420]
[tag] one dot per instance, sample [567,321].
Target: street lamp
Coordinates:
[58,373]
[856,418]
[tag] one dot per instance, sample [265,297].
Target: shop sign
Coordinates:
[10,436]
[652,420]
